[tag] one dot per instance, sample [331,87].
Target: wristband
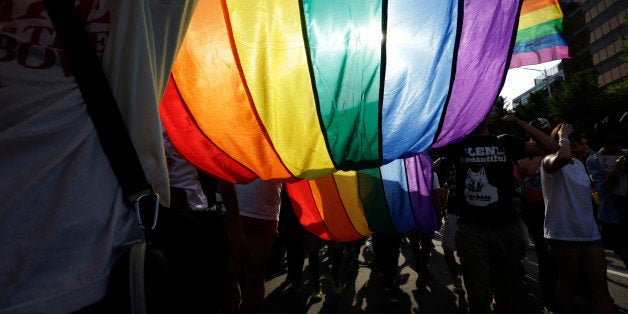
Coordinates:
[563,140]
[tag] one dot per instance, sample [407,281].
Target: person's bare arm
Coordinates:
[611,181]
[542,144]
[554,162]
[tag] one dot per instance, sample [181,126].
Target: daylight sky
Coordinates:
[521,79]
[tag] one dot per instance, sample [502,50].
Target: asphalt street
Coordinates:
[362,287]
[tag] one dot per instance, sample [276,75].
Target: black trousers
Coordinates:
[386,249]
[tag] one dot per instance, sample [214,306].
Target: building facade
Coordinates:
[596,32]
[548,81]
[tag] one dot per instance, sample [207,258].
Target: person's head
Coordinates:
[483,127]
[488,119]
[581,149]
[610,133]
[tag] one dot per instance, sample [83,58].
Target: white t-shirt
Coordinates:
[184,175]
[63,221]
[259,199]
[568,207]
[435,181]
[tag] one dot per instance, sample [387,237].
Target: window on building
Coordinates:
[600,7]
[623,69]
[610,50]
[598,33]
[594,12]
[615,75]
[596,58]
[605,28]
[613,22]
[608,77]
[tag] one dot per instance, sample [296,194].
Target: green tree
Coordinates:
[580,102]
[497,112]
[616,97]
[537,106]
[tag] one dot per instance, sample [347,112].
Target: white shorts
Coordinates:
[449,232]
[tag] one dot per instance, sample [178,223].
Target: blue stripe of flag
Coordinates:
[544,42]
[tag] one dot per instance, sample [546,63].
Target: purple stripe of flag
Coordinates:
[539,56]
[487,31]
[420,176]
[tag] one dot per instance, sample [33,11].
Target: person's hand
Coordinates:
[565,130]
[510,120]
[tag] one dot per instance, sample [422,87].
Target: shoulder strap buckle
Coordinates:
[142,201]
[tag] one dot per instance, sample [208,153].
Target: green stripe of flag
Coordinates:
[550,27]
[374,201]
[345,53]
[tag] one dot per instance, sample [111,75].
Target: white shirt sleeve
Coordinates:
[435,182]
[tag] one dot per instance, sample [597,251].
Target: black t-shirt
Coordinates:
[481,179]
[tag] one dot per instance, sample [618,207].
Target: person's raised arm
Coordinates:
[613,177]
[554,162]
[541,145]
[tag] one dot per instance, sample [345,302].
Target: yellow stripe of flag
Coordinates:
[347,183]
[272,53]
[540,16]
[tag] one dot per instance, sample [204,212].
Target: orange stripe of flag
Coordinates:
[332,210]
[222,108]
[530,6]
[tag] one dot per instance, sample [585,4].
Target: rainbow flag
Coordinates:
[539,34]
[347,206]
[346,94]
[293,90]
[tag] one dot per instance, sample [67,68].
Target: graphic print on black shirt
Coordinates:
[483,179]
[478,191]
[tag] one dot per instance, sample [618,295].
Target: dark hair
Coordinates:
[607,127]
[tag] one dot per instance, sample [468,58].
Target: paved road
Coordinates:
[362,287]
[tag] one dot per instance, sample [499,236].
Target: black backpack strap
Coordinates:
[101,104]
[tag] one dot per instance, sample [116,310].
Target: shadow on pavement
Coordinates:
[362,287]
